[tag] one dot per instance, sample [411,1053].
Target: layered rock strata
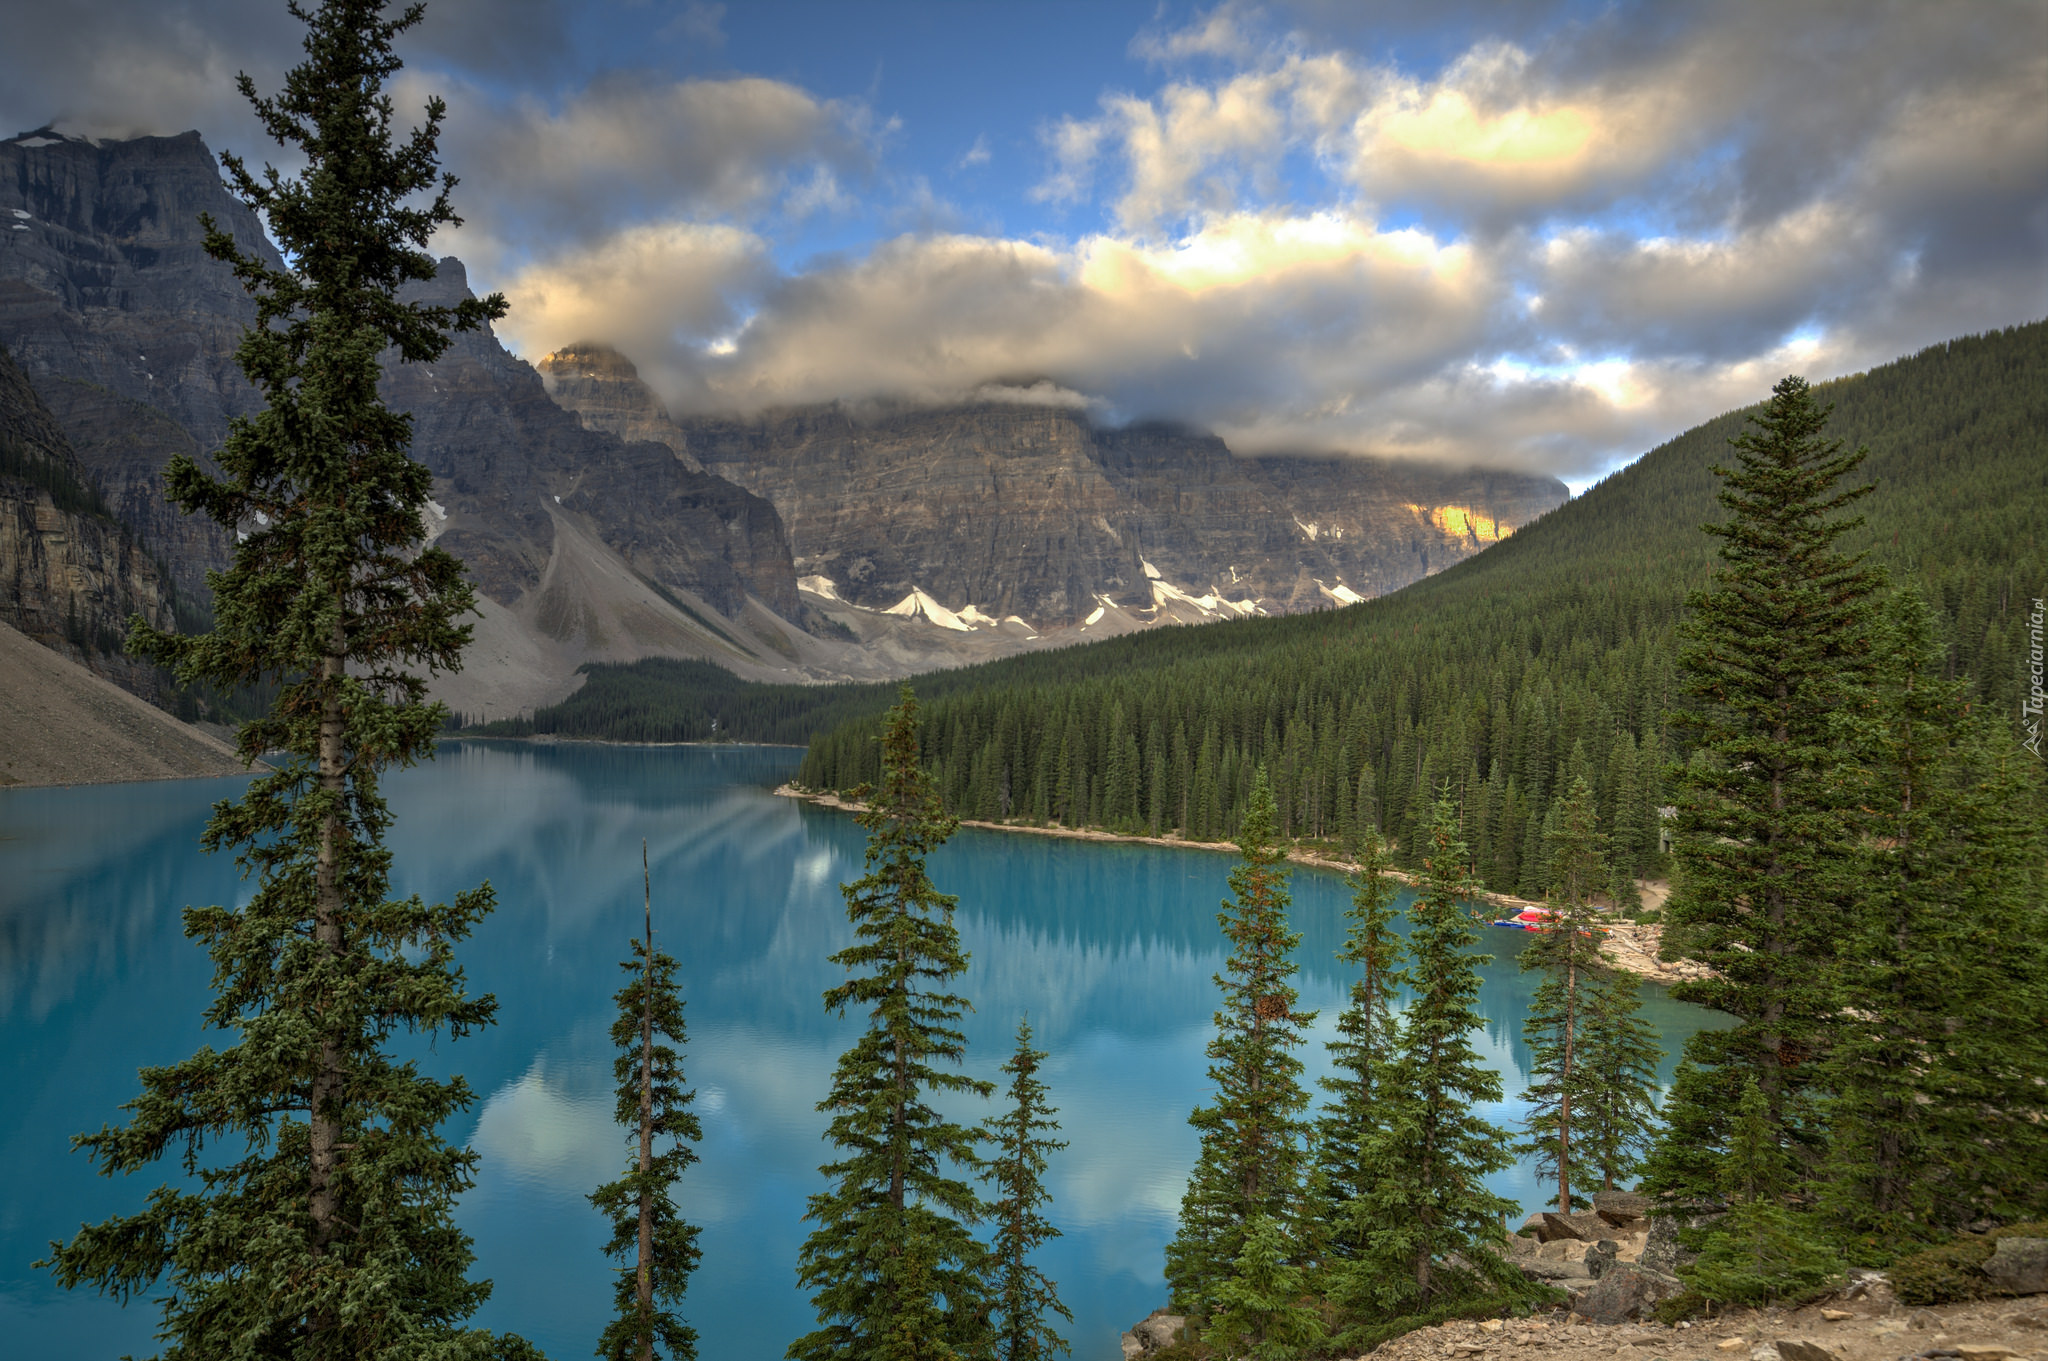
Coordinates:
[71,573]
[1038,513]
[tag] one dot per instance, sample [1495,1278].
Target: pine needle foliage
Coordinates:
[1616,1117]
[344,1189]
[1568,953]
[1021,1294]
[1760,1252]
[1250,1164]
[1769,658]
[893,1271]
[648,1231]
[1263,1309]
[1363,1052]
[1936,1120]
[1427,1202]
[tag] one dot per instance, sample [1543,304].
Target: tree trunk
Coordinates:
[324,1115]
[645,1282]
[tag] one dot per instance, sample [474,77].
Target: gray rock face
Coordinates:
[2019,1266]
[70,575]
[1584,1227]
[1662,1251]
[1625,1293]
[129,330]
[1036,511]
[1620,1208]
[604,390]
[1158,1331]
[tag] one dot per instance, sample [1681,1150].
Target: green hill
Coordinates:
[1546,655]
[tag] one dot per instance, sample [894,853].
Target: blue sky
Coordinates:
[1541,235]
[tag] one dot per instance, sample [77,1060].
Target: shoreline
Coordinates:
[1629,946]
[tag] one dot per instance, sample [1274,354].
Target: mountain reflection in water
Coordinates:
[1108,948]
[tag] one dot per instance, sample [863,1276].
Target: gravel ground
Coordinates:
[60,724]
[1989,1330]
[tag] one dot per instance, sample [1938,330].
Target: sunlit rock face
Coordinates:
[1036,512]
[604,389]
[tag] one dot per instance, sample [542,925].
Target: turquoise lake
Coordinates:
[1109,949]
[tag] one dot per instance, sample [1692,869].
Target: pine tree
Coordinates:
[1364,1048]
[1933,1114]
[893,1270]
[345,1188]
[1251,1136]
[1427,1202]
[1021,1294]
[1760,1251]
[1770,657]
[1567,951]
[1262,1313]
[647,1229]
[1616,1115]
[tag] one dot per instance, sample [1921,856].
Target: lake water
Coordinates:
[1109,950]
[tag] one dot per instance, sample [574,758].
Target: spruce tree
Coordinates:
[1262,1309]
[1935,1118]
[1567,951]
[647,1229]
[1427,1204]
[1364,1048]
[1616,1116]
[1251,1136]
[1770,657]
[1019,1292]
[1760,1251]
[892,1268]
[343,1189]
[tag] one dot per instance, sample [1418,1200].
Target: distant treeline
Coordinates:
[1547,656]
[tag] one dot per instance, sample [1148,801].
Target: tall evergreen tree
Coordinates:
[1568,953]
[892,1267]
[1427,1203]
[1616,1115]
[1769,659]
[1363,1051]
[1021,1294]
[647,1229]
[345,1187]
[1251,1136]
[1935,1117]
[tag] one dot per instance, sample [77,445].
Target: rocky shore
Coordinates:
[1630,946]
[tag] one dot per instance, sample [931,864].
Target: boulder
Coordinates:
[1586,1227]
[1552,1269]
[2018,1266]
[1621,1208]
[1562,1250]
[1522,1245]
[1535,1228]
[1798,1349]
[1158,1331]
[1662,1251]
[1624,1293]
[1601,1257]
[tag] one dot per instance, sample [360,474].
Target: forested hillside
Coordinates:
[1547,656]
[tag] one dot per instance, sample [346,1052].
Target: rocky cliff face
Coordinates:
[71,574]
[1036,512]
[128,331]
[604,390]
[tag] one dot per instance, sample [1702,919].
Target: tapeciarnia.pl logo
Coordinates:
[2030,707]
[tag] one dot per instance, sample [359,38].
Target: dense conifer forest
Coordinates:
[1543,659]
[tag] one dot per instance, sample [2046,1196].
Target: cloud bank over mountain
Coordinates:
[1536,237]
